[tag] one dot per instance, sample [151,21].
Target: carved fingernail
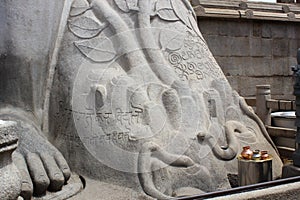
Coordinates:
[201,136]
[57,175]
[26,186]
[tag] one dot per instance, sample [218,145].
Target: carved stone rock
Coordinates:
[134,98]
[148,101]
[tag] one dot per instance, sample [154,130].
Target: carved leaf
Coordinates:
[122,4]
[85,27]
[161,4]
[171,40]
[97,49]
[167,14]
[79,7]
[132,4]
[127,5]
[165,10]
[181,11]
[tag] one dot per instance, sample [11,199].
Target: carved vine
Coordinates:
[169,10]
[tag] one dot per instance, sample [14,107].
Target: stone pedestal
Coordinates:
[252,172]
[10,186]
[263,93]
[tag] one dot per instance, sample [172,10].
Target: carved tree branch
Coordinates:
[231,150]
[166,74]
[102,9]
[152,150]
[245,108]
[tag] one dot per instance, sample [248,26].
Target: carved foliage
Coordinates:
[177,10]
[165,11]
[79,7]
[181,12]
[85,27]
[127,5]
[97,49]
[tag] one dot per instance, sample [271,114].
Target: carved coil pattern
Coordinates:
[175,58]
[185,70]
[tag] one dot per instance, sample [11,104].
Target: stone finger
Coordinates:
[27,186]
[63,165]
[155,117]
[172,105]
[54,173]
[38,173]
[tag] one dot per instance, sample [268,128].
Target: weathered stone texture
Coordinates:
[280,87]
[280,47]
[260,47]
[228,46]
[254,52]
[131,98]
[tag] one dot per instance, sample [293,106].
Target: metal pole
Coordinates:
[246,188]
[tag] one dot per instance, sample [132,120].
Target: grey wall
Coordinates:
[254,52]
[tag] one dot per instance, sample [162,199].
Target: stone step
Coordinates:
[241,5]
[286,152]
[247,10]
[281,132]
[281,105]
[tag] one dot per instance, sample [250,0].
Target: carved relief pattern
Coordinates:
[193,61]
[85,27]
[185,71]
[98,49]
[123,123]
[79,7]
[127,5]
[123,120]
[138,101]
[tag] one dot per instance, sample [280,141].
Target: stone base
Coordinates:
[73,187]
[290,171]
[100,190]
